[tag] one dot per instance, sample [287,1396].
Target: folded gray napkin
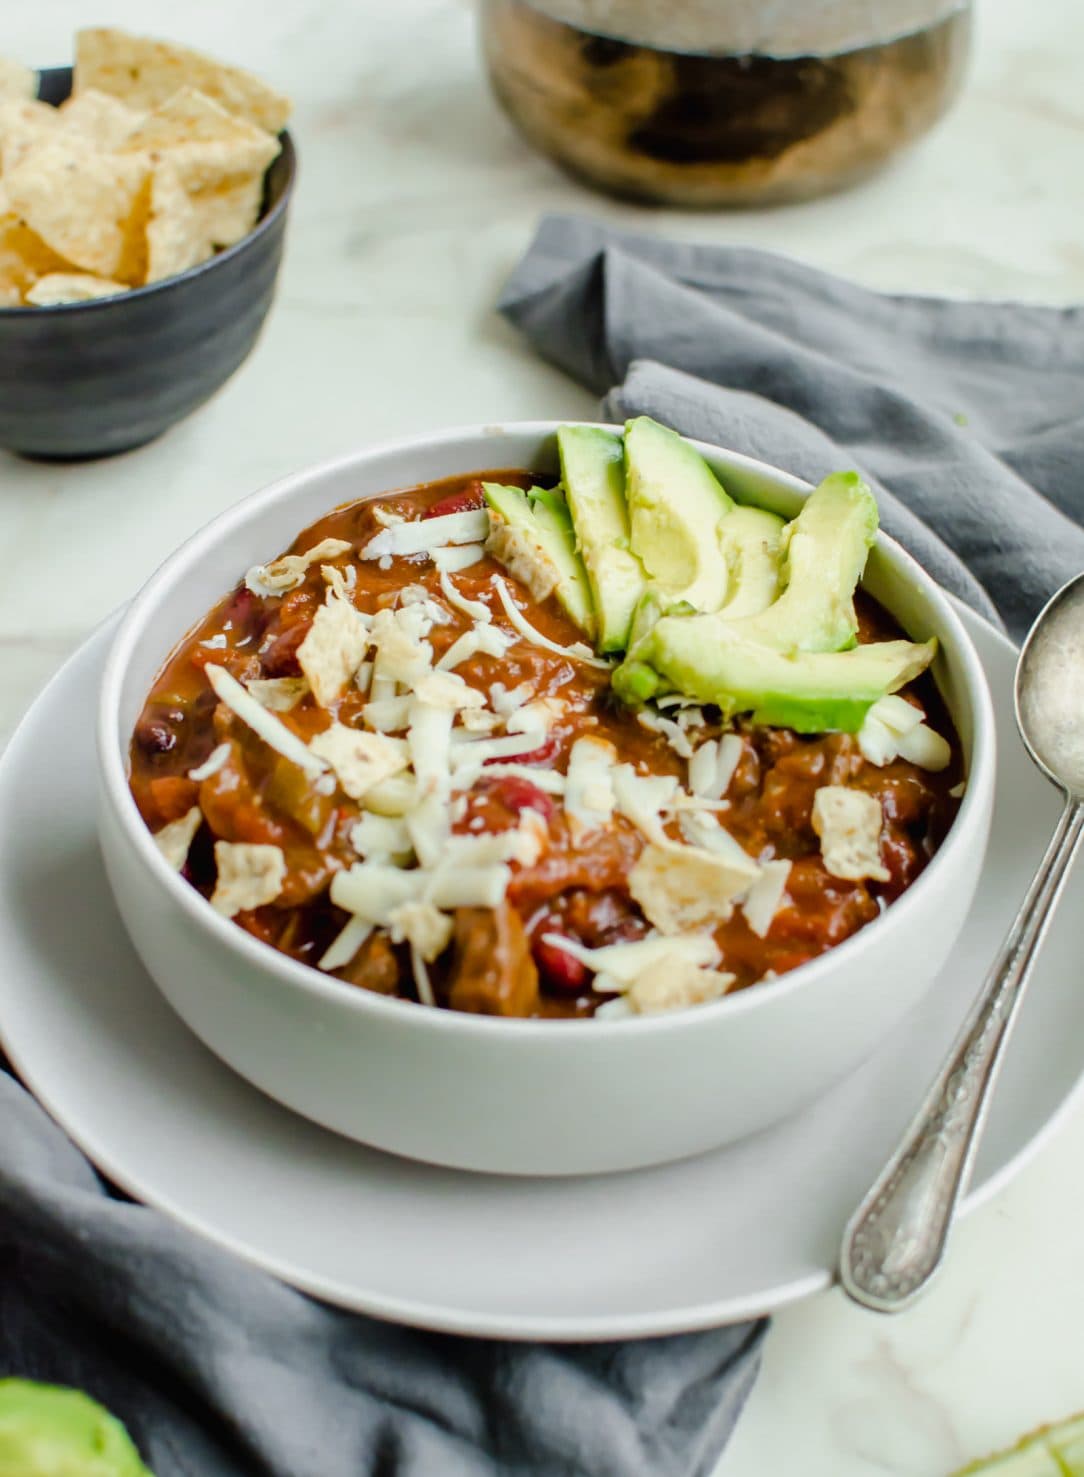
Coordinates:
[219,1371]
[966,417]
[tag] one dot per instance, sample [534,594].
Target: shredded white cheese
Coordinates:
[849,823]
[271,729]
[505,700]
[452,560]
[424,535]
[577,652]
[248,876]
[893,729]
[712,767]
[211,765]
[421,925]
[429,826]
[448,690]
[402,655]
[477,610]
[641,798]
[387,714]
[673,733]
[429,737]
[547,780]
[589,785]
[382,838]
[764,899]
[486,640]
[344,948]
[623,963]
[174,840]
[421,977]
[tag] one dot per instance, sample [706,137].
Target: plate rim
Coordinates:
[442,1318]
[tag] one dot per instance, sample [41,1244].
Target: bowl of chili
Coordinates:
[489,1019]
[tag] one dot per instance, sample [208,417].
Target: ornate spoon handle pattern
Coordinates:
[896,1238]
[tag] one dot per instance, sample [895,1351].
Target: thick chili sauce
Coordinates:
[578,887]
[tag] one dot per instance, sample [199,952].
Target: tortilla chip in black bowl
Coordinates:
[84,377]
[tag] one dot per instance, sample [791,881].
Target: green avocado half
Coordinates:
[48,1431]
[811,692]
[593,474]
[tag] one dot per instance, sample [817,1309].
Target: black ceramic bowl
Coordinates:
[89,379]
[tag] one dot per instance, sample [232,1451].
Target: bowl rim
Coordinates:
[288,154]
[112,745]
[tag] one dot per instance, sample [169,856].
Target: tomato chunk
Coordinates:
[467,500]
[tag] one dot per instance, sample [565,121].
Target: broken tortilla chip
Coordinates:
[145,74]
[174,233]
[71,287]
[228,213]
[99,118]
[16,80]
[207,146]
[81,203]
[22,123]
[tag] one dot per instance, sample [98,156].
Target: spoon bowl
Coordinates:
[1050,689]
[896,1239]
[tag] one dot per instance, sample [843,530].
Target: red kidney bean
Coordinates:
[280,658]
[517,794]
[560,971]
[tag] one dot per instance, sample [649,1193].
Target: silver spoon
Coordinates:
[895,1240]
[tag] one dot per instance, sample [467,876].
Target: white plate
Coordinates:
[735,1233]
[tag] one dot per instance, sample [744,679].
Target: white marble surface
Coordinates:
[415,199]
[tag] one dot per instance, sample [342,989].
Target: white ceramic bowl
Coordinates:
[519,1097]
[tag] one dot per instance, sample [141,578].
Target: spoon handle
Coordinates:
[896,1238]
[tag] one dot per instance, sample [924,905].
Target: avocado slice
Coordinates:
[593,473]
[750,540]
[48,1431]
[675,507]
[824,553]
[811,692]
[531,534]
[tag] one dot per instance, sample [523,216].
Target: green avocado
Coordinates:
[532,536]
[811,692]
[676,505]
[750,539]
[593,473]
[47,1431]
[824,553]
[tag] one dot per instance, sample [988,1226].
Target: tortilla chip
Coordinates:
[145,74]
[10,296]
[71,287]
[23,123]
[174,234]
[99,119]
[81,203]
[208,147]
[228,213]
[24,257]
[16,80]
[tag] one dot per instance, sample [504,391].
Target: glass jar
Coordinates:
[724,102]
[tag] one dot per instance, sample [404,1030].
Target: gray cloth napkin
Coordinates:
[219,1371]
[966,417]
